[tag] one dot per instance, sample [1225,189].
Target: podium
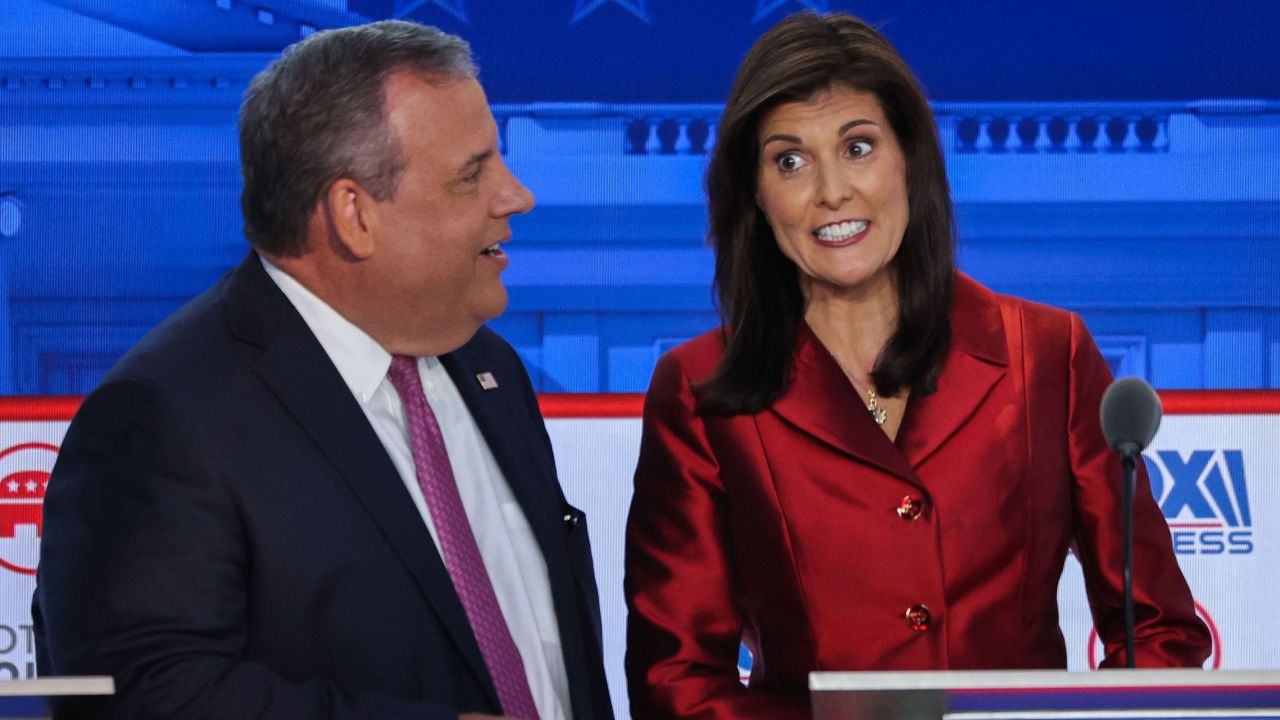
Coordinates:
[1045,695]
[23,699]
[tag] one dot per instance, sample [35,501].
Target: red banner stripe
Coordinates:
[591,405]
[1220,402]
[624,405]
[38,408]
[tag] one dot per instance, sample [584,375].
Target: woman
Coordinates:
[876,464]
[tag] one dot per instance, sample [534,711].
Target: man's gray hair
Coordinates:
[316,115]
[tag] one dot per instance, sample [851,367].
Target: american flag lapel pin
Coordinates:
[487,381]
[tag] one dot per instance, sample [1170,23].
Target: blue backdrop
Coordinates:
[1118,159]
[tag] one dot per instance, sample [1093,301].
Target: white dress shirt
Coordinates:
[510,552]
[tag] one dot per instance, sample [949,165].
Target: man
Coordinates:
[322,489]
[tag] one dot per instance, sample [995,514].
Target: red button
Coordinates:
[911,507]
[918,617]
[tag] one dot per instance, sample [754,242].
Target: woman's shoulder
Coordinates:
[1008,327]
[973,299]
[699,356]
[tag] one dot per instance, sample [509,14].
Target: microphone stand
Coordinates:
[1130,416]
[1129,461]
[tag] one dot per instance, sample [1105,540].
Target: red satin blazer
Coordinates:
[805,532]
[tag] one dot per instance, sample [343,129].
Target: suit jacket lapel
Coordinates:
[821,402]
[976,362]
[294,366]
[504,420]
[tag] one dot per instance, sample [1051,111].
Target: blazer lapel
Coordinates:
[294,366]
[975,364]
[821,402]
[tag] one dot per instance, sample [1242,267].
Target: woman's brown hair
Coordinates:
[758,288]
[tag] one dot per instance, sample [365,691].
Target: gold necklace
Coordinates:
[873,406]
[877,413]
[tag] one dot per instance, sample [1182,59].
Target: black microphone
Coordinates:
[1130,417]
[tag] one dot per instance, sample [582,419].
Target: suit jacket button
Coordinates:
[571,519]
[911,507]
[918,617]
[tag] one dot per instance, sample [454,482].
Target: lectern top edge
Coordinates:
[54,686]
[1040,679]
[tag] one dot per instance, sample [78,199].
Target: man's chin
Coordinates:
[494,306]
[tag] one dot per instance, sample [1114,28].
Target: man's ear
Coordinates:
[353,215]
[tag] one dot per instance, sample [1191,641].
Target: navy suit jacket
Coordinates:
[226,536]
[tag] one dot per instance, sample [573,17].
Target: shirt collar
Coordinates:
[360,360]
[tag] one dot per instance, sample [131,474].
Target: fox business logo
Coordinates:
[1205,498]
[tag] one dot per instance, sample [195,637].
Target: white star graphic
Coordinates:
[764,7]
[586,7]
[13,486]
[454,7]
[32,485]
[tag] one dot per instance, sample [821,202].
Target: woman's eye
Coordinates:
[860,148]
[790,162]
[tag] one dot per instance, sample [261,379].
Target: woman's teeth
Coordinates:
[836,232]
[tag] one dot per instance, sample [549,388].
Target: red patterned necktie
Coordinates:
[458,544]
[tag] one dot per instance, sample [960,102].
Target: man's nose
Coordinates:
[515,199]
